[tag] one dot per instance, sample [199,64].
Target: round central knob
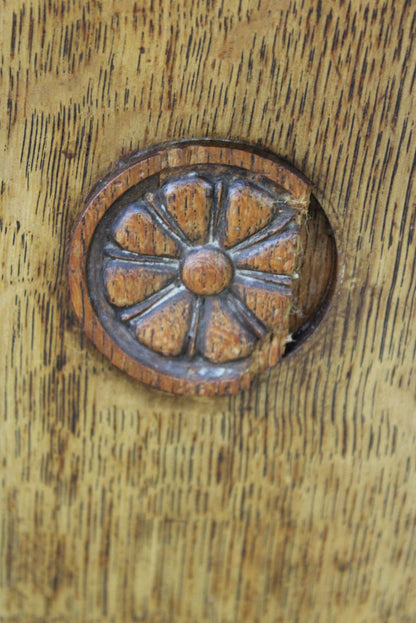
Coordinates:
[207,271]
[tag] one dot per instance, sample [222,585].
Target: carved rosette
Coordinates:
[191,274]
[203,267]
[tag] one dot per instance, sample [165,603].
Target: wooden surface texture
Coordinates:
[294,501]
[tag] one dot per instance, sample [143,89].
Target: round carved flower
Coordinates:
[201,267]
[182,264]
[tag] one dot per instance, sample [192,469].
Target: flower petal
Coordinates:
[269,302]
[248,210]
[223,337]
[276,254]
[127,282]
[164,328]
[190,202]
[137,230]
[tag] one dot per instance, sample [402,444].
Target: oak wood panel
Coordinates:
[293,501]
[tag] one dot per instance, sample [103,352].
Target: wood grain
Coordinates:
[194,195]
[293,501]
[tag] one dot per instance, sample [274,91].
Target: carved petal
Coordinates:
[270,303]
[164,328]
[138,231]
[127,282]
[249,209]
[276,254]
[223,337]
[190,202]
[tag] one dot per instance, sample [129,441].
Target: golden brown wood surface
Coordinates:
[294,501]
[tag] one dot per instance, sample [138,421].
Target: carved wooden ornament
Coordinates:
[182,265]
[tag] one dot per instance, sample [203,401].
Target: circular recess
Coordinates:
[192,267]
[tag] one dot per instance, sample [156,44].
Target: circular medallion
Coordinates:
[183,265]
